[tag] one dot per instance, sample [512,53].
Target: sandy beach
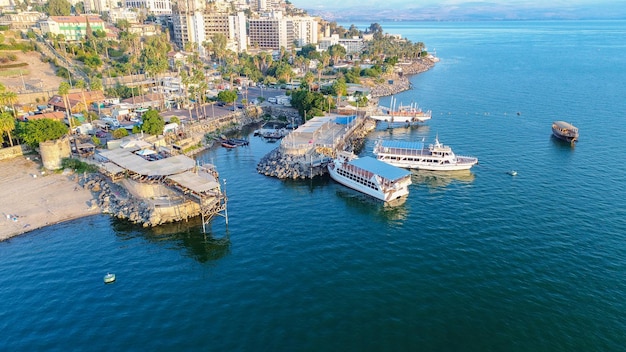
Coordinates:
[30,199]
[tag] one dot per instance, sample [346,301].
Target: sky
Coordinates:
[468,9]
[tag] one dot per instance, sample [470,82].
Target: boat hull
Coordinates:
[415,155]
[430,167]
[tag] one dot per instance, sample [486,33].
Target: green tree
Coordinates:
[7,125]
[336,52]
[227,96]
[153,123]
[7,97]
[59,8]
[339,87]
[120,133]
[41,130]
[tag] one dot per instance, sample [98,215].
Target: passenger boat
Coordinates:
[402,116]
[416,155]
[565,131]
[370,176]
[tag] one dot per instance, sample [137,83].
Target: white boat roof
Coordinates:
[402,144]
[563,124]
[380,168]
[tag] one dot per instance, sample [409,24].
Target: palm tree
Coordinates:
[80,84]
[8,97]
[7,124]
[64,90]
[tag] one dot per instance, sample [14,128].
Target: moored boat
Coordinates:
[565,131]
[228,144]
[238,141]
[370,176]
[416,155]
[401,116]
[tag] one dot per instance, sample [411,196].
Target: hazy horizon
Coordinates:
[465,9]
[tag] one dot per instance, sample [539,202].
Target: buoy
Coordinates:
[109,278]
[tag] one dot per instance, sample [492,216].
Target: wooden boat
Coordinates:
[565,131]
[238,141]
[228,144]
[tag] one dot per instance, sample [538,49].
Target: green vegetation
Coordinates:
[119,133]
[153,123]
[78,166]
[37,131]
[227,96]
[7,125]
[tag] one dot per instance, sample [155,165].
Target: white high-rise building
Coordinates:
[305,30]
[157,7]
[272,32]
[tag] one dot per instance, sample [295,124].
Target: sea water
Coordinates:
[479,261]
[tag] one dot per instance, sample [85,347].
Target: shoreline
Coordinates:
[32,199]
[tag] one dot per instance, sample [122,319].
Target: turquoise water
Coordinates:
[478,262]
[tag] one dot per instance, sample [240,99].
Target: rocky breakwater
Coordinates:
[283,165]
[117,201]
[399,80]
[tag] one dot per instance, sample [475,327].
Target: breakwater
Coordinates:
[283,165]
[398,81]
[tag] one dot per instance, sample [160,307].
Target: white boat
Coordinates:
[109,278]
[416,155]
[408,115]
[370,176]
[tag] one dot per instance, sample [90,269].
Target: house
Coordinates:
[154,100]
[56,115]
[77,104]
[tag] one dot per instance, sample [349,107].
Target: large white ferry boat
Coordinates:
[416,155]
[370,176]
[407,115]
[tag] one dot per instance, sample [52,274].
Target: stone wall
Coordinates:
[15,151]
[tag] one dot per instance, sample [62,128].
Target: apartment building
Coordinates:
[72,27]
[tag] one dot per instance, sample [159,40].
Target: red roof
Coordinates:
[57,115]
[76,19]
[76,98]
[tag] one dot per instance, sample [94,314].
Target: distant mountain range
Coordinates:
[476,11]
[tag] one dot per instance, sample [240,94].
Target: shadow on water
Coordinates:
[434,179]
[394,210]
[311,183]
[186,236]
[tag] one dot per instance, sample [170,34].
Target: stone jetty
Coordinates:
[283,165]
[399,80]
